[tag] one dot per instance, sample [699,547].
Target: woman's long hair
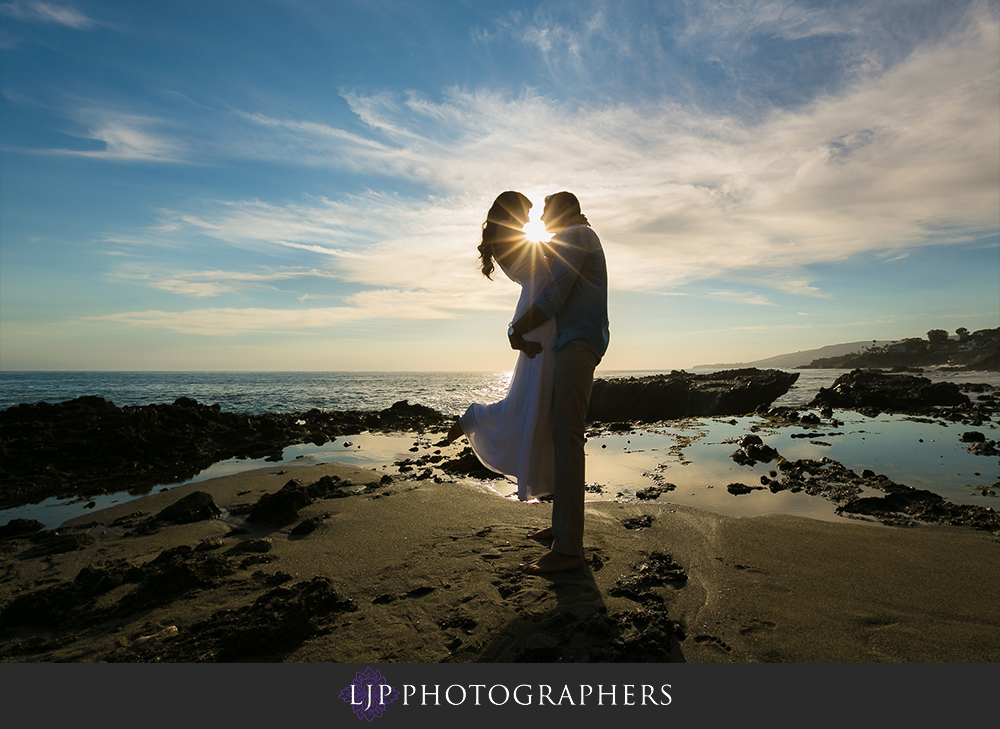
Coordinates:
[509,207]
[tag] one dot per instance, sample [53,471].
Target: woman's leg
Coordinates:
[456,432]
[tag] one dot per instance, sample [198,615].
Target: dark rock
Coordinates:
[277,623]
[467,464]
[752,451]
[900,506]
[252,546]
[874,391]
[170,575]
[653,492]
[307,526]
[173,573]
[657,570]
[329,487]
[973,437]
[47,543]
[90,445]
[984,448]
[281,507]
[680,395]
[638,522]
[68,601]
[196,506]
[20,528]
[738,489]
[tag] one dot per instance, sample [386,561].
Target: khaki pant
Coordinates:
[574,378]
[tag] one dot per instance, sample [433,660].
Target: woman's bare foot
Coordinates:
[542,535]
[553,562]
[456,432]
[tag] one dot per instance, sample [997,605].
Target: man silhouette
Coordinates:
[577,296]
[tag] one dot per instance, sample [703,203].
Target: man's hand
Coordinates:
[530,349]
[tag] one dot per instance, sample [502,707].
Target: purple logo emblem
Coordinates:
[369,694]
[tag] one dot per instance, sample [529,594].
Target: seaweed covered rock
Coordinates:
[873,391]
[90,445]
[683,395]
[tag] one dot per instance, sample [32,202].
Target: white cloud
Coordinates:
[742,297]
[893,160]
[202,284]
[902,159]
[125,138]
[230,321]
[40,12]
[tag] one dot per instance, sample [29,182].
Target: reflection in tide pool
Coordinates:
[694,455]
[365,450]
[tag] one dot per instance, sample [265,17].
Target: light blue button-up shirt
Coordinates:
[577,291]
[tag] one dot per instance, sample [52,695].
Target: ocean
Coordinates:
[289,392]
[693,455]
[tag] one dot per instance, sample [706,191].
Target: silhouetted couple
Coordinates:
[560,325]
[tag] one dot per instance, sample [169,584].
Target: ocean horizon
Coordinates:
[255,392]
[694,454]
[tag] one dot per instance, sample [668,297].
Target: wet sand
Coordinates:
[421,571]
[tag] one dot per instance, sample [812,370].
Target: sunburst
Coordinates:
[535,230]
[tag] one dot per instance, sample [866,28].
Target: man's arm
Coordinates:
[571,249]
[568,257]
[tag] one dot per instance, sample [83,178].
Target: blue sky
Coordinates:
[299,185]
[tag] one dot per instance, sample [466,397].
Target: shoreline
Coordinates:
[905,468]
[419,571]
[418,562]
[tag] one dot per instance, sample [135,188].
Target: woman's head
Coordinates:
[503,223]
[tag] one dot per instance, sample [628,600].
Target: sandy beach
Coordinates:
[398,570]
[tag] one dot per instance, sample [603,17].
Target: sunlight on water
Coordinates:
[694,455]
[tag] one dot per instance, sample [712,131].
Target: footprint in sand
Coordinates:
[712,642]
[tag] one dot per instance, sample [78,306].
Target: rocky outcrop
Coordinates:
[90,445]
[683,395]
[196,506]
[281,507]
[873,391]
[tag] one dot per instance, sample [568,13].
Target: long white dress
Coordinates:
[514,436]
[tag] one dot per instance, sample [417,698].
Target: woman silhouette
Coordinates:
[514,436]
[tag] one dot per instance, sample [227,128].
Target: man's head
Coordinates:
[562,210]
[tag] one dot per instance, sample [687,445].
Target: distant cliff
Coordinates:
[978,350]
[795,360]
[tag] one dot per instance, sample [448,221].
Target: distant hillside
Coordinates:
[979,350]
[799,359]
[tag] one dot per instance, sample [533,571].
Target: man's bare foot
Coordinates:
[553,562]
[542,535]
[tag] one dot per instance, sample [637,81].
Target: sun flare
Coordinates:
[535,230]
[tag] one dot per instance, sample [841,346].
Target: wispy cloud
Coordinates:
[210,283]
[231,321]
[899,159]
[124,137]
[39,12]
[742,297]
[900,153]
